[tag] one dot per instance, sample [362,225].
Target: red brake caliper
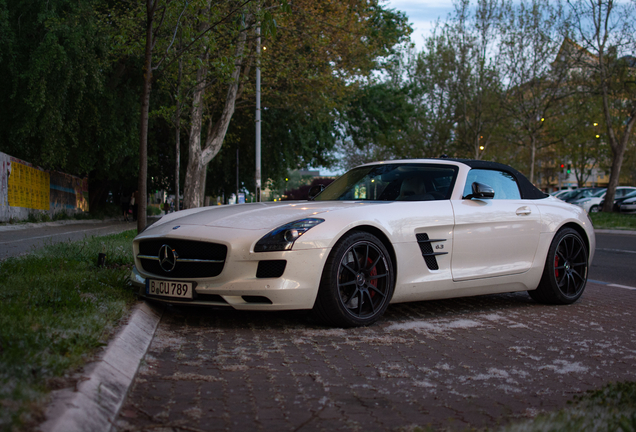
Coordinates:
[373,272]
[556,264]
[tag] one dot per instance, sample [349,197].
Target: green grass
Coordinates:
[612,408]
[621,221]
[609,409]
[56,308]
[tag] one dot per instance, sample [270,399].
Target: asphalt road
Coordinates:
[614,259]
[22,239]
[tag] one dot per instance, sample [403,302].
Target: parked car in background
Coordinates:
[592,204]
[582,193]
[628,205]
[619,201]
[563,194]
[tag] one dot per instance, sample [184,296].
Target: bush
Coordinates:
[153,210]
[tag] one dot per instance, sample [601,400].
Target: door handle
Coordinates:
[523,211]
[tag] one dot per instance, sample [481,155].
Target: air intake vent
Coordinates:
[271,268]
[427,250]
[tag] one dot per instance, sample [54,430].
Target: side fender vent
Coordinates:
[427,250]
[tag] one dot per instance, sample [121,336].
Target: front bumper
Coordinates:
[237,286]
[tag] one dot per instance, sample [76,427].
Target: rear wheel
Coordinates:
[595,209]
[565,273]
[357,282]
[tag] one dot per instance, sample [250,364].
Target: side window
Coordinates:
[504,184]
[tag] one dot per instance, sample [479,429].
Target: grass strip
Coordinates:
[612,408]
[56,307]
[620,221]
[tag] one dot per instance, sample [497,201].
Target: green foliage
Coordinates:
[377,122]
[153,210]
[56,308]
[56,110]
[291,139]
[611,408]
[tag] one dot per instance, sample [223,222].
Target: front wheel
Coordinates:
[565,273]
[357,282]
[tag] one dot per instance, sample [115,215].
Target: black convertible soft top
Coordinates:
[527,189]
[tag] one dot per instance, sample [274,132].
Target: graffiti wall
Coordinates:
[26,189]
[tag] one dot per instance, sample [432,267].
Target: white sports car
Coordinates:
[385,232]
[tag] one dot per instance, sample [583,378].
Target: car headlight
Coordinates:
[283,237]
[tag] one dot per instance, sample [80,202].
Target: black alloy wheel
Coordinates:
[357,283]
[565,273]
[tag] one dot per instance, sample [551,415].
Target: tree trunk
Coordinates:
[617,144]
[533,156]
[618,154]
[143,120]
[204,175]
[192,186]
[177,154]
[198,158]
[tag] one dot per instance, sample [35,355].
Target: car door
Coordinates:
[494,237]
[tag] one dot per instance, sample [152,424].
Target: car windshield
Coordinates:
[584,193]
[630,195]
[563,195]
[393,182]
[600,193]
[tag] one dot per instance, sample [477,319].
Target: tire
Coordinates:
[357,282]
[565,272]
[595,209]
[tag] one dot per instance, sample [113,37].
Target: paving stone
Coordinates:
[451,365]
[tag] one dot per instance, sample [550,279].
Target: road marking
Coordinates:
[56,235]
[615,250]
[611,284]
[598,282]
[621,286]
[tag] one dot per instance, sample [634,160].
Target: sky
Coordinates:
[422,15]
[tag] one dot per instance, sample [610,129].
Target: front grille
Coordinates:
[271,268]
[187,250]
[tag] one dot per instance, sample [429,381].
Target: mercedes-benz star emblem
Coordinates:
[168,258]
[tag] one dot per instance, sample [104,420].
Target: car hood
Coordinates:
[257,216]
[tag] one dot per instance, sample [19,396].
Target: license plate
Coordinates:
[169,288]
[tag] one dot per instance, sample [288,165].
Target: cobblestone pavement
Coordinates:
[450,365]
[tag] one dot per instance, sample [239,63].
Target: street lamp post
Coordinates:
[258,114]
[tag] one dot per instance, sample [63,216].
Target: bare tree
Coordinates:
[531,38]
[199,155]
[476,86]
[606,30]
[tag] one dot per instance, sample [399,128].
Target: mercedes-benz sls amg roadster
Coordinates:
[385,232]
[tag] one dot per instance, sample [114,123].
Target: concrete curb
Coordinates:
[617,232]
[101,391]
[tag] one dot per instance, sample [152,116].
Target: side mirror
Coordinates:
[314,191]
[481,191]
